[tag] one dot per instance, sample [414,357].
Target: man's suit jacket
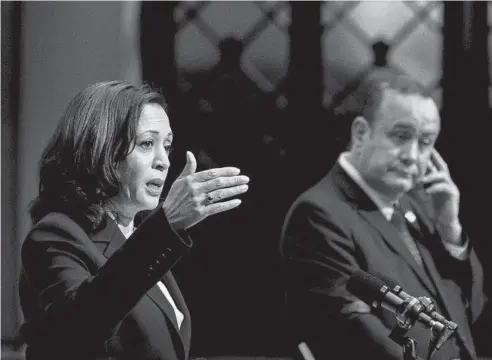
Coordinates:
[332,230]
[95,296]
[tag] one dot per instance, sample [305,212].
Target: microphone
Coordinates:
[408,309]
[429,307]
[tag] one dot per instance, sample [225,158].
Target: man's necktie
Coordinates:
[398,220]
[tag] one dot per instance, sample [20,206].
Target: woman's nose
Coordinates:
[161,159]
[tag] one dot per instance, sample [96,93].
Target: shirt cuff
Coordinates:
[459,252]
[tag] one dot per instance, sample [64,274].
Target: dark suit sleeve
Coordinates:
[466,273]
[469,276]
[319,256]
[79,306]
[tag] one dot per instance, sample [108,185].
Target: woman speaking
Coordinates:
[92,285]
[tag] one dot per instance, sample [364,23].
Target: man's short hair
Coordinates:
[372,89]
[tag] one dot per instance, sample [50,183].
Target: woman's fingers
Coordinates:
[216,208]
[196,196]
[211,174]
[223,182]
[219,195]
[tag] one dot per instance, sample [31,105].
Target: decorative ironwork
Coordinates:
[231,64]
[225,49]
[356,44]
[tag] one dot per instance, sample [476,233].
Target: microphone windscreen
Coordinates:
[365,286]
[387,280]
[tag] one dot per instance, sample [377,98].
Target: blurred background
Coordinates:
[265,86]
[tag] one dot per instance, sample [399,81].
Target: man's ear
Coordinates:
[359,131]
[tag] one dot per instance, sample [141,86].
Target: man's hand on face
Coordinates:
[445,197]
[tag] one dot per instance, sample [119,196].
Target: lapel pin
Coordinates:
[410,216]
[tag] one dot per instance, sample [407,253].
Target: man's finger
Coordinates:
[438,161]
[434,177]
[210,174]
[439,188]
[431,167]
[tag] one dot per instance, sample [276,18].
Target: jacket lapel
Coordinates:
[110,239]
[392,238]
[158,297]
[178,298]
[373,216]
[423,228]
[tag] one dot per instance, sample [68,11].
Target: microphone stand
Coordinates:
[408,344]
[407,315]
[406,318]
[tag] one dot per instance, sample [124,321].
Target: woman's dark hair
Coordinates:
[78,167]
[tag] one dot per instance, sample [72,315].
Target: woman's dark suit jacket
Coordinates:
[95,296]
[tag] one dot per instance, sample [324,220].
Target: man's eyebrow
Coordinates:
[404,125]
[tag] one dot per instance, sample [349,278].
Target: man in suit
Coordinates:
[388,206]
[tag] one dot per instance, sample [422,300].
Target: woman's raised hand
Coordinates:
[195,196]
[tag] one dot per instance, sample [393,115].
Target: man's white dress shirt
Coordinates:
[459,252]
